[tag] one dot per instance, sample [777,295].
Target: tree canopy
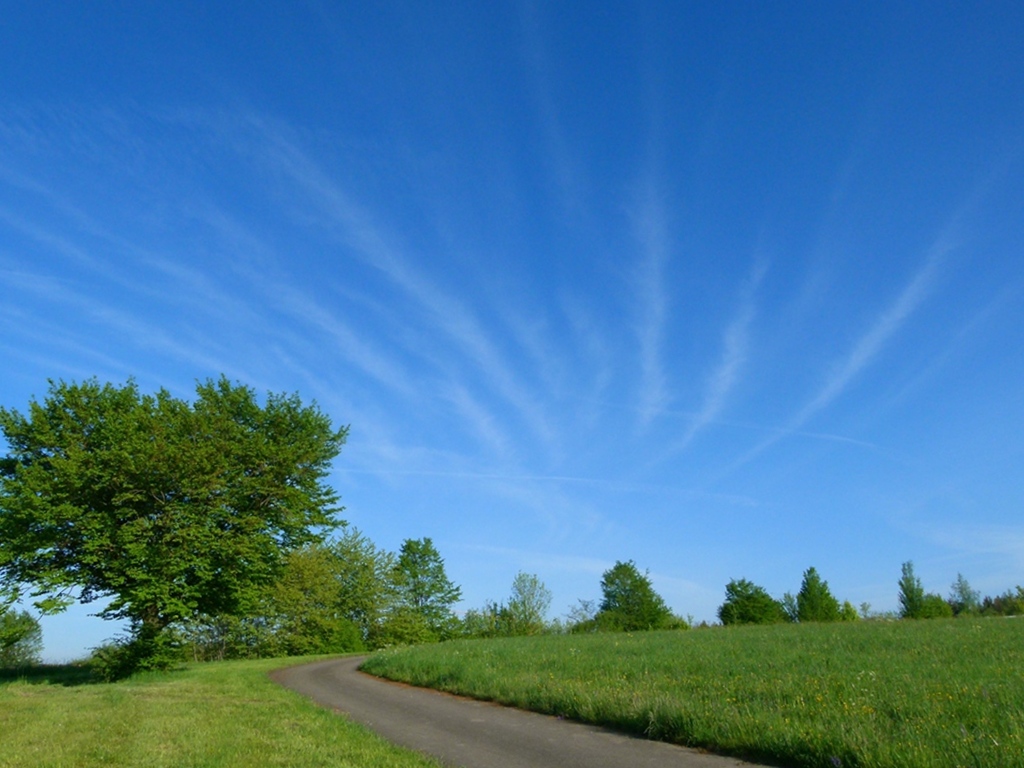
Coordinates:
[170,508]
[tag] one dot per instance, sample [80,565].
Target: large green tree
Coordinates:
[170,508]
[629,602]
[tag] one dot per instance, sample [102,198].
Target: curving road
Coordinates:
[473,734]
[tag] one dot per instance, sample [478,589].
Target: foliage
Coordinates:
[484,622]
[629,602]
[582,616]
[815,601]
[790,607]
[173,509]
[869,693]
[528,605]
[21,639]
[747,603]
[424,589]
[306,606]
[524,614]
[226,714]
[1010,603]
[365,575]
[911,593]
[915,603]
[143,649]
[963,599]
[217,638]
[935,607]
[404,625]
[848,613]
[329,598]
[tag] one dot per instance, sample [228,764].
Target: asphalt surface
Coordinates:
[472,734]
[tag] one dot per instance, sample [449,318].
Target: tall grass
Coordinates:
[907,694]
[214,714]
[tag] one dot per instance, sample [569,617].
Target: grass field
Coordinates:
[913,694]
[217,714]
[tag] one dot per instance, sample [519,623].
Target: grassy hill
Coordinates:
[913,694]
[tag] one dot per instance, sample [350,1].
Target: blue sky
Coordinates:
[729,290]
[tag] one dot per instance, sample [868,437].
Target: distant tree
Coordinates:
[1010,603]
[172,509]
[306,606]
[329,598]
[790,607]
[366,577]
[21,639]
[962,599]
[934,606]
[403,625]
[483,622]
[216,638]
[847,612]
[524,614]
[528,605]
[582,617]
[911,593]
[629,601]
[424,589]
[747,603]
[815,601]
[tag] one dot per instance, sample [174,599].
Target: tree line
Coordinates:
[209,528]
[748,603]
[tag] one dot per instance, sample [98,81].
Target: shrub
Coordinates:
[935,607]
[747,603]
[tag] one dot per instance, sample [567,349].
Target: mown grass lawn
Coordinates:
[216,714]
[908,694]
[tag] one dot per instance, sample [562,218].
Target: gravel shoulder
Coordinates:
[472,734]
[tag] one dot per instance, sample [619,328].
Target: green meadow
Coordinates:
[214,714]
[908,694]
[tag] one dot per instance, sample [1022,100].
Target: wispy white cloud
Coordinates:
[652,234]
[129,326]
[447,313]
[734,353]
[871,343]
[564,168]
[886,325]
[989,541]
[480,420]
[548,561]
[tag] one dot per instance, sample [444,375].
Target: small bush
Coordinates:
[139,652]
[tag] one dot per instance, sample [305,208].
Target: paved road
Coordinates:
[472,734]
